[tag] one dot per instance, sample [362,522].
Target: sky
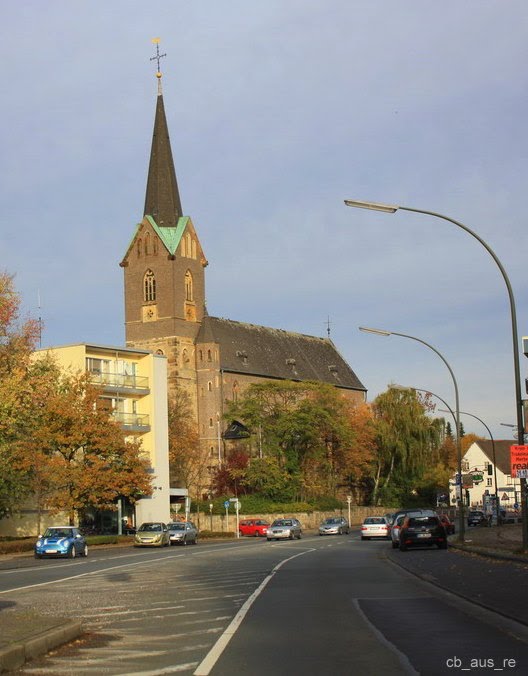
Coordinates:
[278,112]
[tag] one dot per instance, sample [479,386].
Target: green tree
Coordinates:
[408,443]
[308,430]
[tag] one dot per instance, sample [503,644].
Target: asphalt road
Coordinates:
[333,605]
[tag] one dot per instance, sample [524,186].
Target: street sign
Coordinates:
[518,460]
[477,477]
[238,504]
[226,504]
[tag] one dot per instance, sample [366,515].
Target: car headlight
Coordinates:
[39,543]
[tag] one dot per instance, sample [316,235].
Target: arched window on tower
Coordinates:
[193,248]
[183,251]
[188,245]
[155,246]
[139,245]
[188,286]
[149,286]
[147,244]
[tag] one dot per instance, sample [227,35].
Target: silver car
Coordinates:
[334,525]
[183,533]
[284,529]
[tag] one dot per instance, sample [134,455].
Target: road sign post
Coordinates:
[226,505]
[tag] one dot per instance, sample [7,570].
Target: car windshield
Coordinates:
[283,522]
[177,526]
[58,533]
[150,527]
[332,521]
[423,521]
[375,519]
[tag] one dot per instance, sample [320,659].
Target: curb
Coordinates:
[16,654]
[489,553]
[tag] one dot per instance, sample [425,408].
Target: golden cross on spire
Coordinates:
[157,58]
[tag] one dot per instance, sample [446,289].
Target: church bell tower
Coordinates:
[164,266]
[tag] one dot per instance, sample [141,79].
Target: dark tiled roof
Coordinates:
[502,452]
[274,353]
[162,199]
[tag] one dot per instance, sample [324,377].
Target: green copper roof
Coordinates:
[169,236]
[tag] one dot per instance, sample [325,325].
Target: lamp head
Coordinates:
[378,332]
[375,206]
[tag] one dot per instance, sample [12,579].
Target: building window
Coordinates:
[235,391]
[209,357]
[147,244]
[139,246]
[210,422]
[209,386]
[188,245]
[489,482]
[193,249]
[156,244]
[149,286]
[183,247]
[188,286]
[212,451]
[201,355]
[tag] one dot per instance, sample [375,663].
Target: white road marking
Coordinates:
[205,666]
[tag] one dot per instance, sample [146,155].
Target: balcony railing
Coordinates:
[119,381]
[133,421]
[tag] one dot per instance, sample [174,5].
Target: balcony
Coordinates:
[138,423]
[120,382]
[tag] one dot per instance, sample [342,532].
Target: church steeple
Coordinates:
[162,199]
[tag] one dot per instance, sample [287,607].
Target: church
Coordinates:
[211,358]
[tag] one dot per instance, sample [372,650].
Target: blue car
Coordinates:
[64,541]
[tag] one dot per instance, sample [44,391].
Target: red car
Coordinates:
[255,527]
[447,524]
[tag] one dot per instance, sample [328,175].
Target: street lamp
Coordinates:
[392,208]
[211,516]
[497,505]
[382,332]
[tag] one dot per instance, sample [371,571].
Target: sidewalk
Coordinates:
[27,635]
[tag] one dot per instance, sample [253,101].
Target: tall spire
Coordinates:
[162,199]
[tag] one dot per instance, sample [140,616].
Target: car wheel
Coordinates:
[85,551]
[300,535]
[72,553]
[195,541]
[292,536]
[38,556]
[403,548]
[394,544]
[184,542]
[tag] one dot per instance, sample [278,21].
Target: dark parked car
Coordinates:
[422,531]
[64,541]
[476,517]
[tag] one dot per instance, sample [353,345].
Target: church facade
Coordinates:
[212,359]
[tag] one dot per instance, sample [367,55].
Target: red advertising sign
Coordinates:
[519,461]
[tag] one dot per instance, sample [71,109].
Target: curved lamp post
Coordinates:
[497,500]
[392,208]
[382,332]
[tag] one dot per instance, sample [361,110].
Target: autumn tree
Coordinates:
[308,430]
[17,340]
[74,454]
[188,462]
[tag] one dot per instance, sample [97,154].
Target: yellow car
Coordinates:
[152,534]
